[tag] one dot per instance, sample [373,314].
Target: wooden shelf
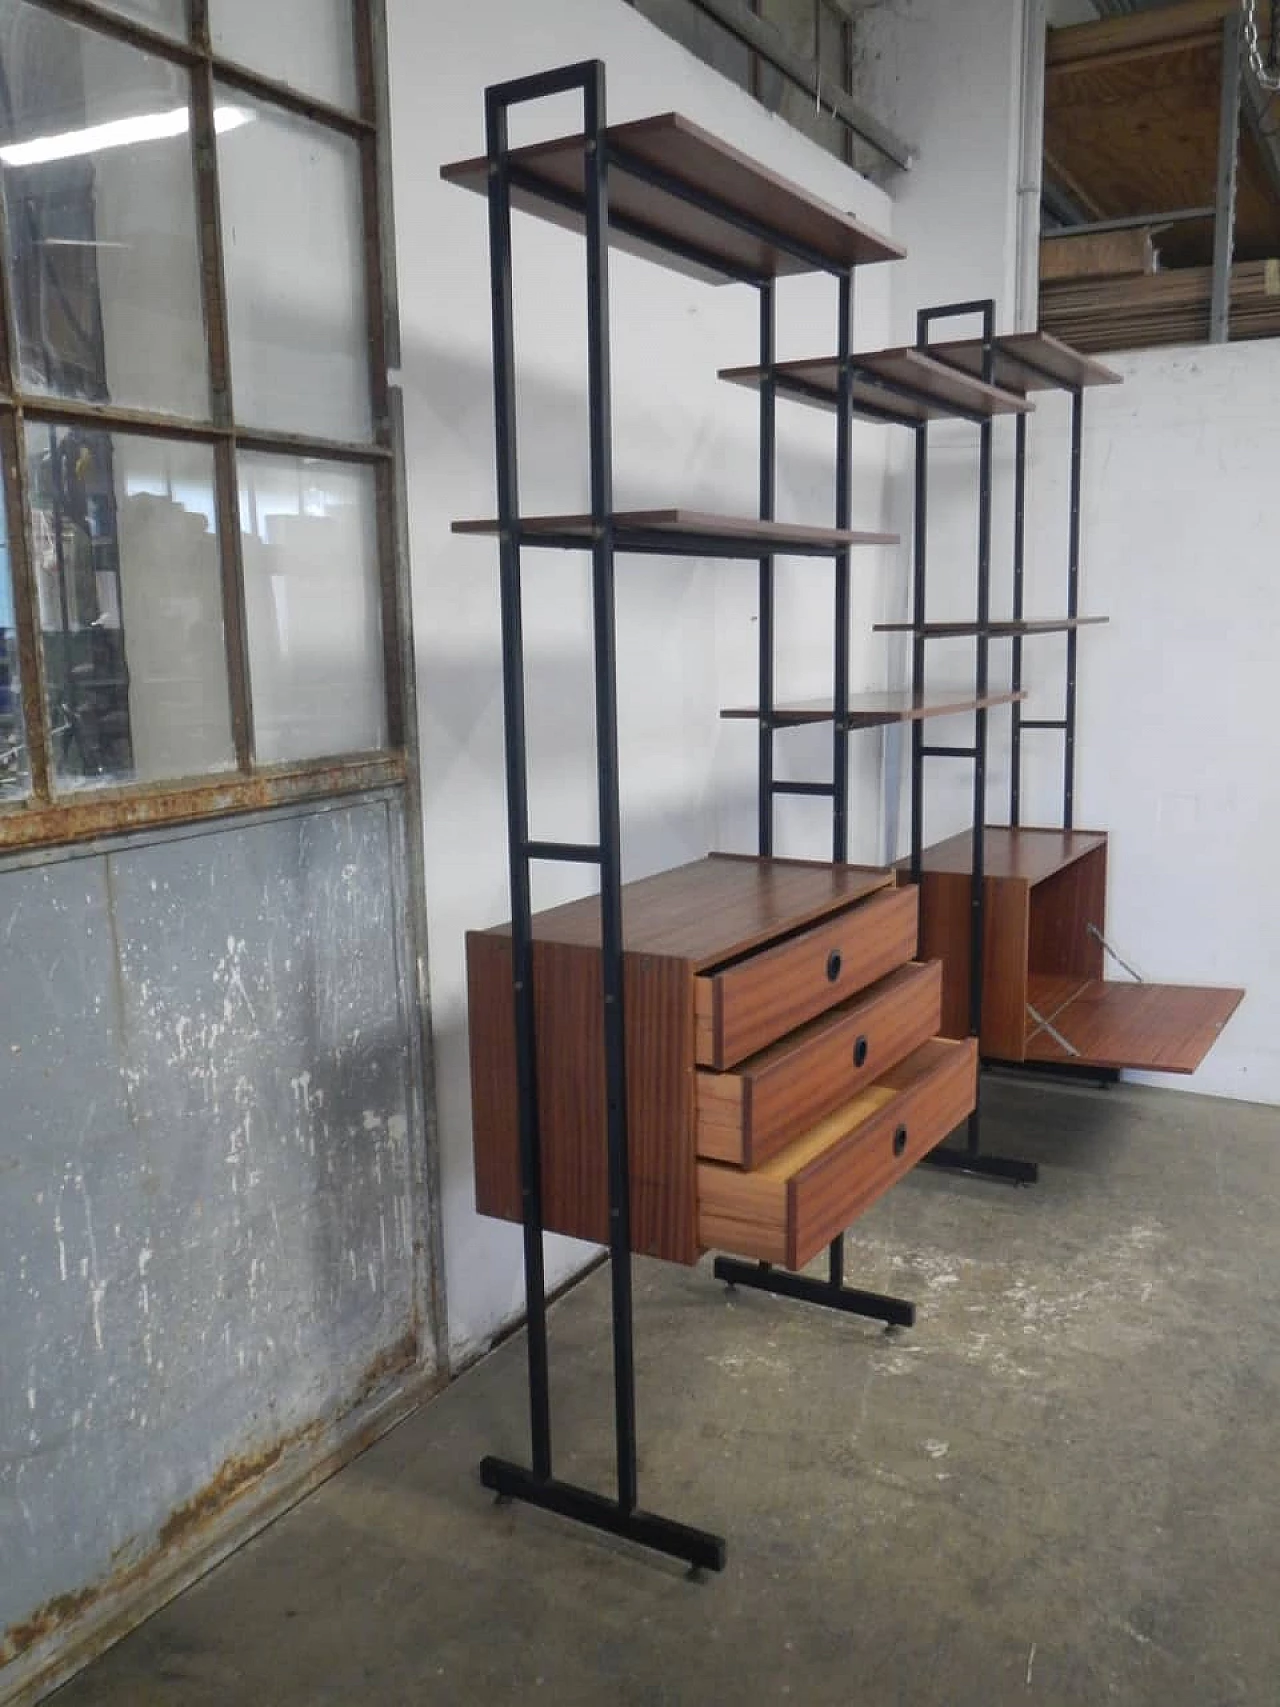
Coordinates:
[707,911]
[1029,361]
[685,533]
[877,710]
[902,385]
[995,630]
[675,223]
[1028,855]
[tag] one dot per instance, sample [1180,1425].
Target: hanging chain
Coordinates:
[1267,75]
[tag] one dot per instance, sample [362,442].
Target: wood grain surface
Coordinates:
[759,998]
[936,389]
[1055,362]
[702,161]
[1031,854]
[747,1115]
[749,529]
[1157,1028]
[658,1006]
[878,710]
[1063,907]
[945,934]
[793,1206]
[715,908]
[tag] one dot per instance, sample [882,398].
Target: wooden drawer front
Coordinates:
[748,1114]
[759,999]
[791,1208]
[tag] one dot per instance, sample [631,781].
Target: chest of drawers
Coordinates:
[782,1064]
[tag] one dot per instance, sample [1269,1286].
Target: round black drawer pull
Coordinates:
[835,962]
[860,1052]
[899,1140]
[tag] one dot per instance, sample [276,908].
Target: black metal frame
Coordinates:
[831,1293]
[971,1159]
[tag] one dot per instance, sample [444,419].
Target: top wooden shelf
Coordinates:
[903,385]
[685,533]
[1030,855]
[713,213]
[1029,361]
[715,908]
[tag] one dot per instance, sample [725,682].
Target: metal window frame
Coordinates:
[43,816]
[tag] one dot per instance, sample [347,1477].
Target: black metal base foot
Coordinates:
[1102,1078]
[895,1312]
[699,1549]
[1007,1168]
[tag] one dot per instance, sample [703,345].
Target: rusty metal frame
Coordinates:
[44,817]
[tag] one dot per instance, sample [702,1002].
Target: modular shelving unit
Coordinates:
[667,190]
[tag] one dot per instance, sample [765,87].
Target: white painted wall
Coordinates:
[686,630]
[1176,754]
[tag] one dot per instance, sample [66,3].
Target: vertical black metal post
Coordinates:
[606,705]
[1073,609]
[919,574]
[1019,584]
[978,885]
[504,415]
[768,465]
[844,476]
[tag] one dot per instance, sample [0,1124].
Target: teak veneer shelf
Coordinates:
[697,205]
[997,629]
[1028,361]
[878,710]
[782,1063]
[1044,998]
[902,385]
[681,532]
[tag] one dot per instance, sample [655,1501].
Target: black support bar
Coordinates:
[570,853]
[698,1548]
[831,1294]
[1008,1169]
[819,790]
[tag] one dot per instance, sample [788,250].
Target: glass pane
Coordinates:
[13,748]
[293,241]
[168,16]
[99,203]
[127,572]
[309,44]
[313,607]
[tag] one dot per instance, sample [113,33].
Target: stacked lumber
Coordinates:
[1159,308]
[1096,254]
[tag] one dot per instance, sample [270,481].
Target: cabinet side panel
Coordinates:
[1004,972]
[1062,909]
[495,1132]
[945,922]
[658,1001]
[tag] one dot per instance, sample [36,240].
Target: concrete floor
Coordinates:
[1060,1487]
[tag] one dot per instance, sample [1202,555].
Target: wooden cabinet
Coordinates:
[1044,997]
[782,1064]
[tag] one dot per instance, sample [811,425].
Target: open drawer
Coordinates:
[794,1205]
[748,1004]
[749,1113]
[1155,1028]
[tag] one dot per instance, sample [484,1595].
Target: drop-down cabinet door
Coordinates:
[1044,996]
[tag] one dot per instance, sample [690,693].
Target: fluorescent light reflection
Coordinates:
[117,133]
